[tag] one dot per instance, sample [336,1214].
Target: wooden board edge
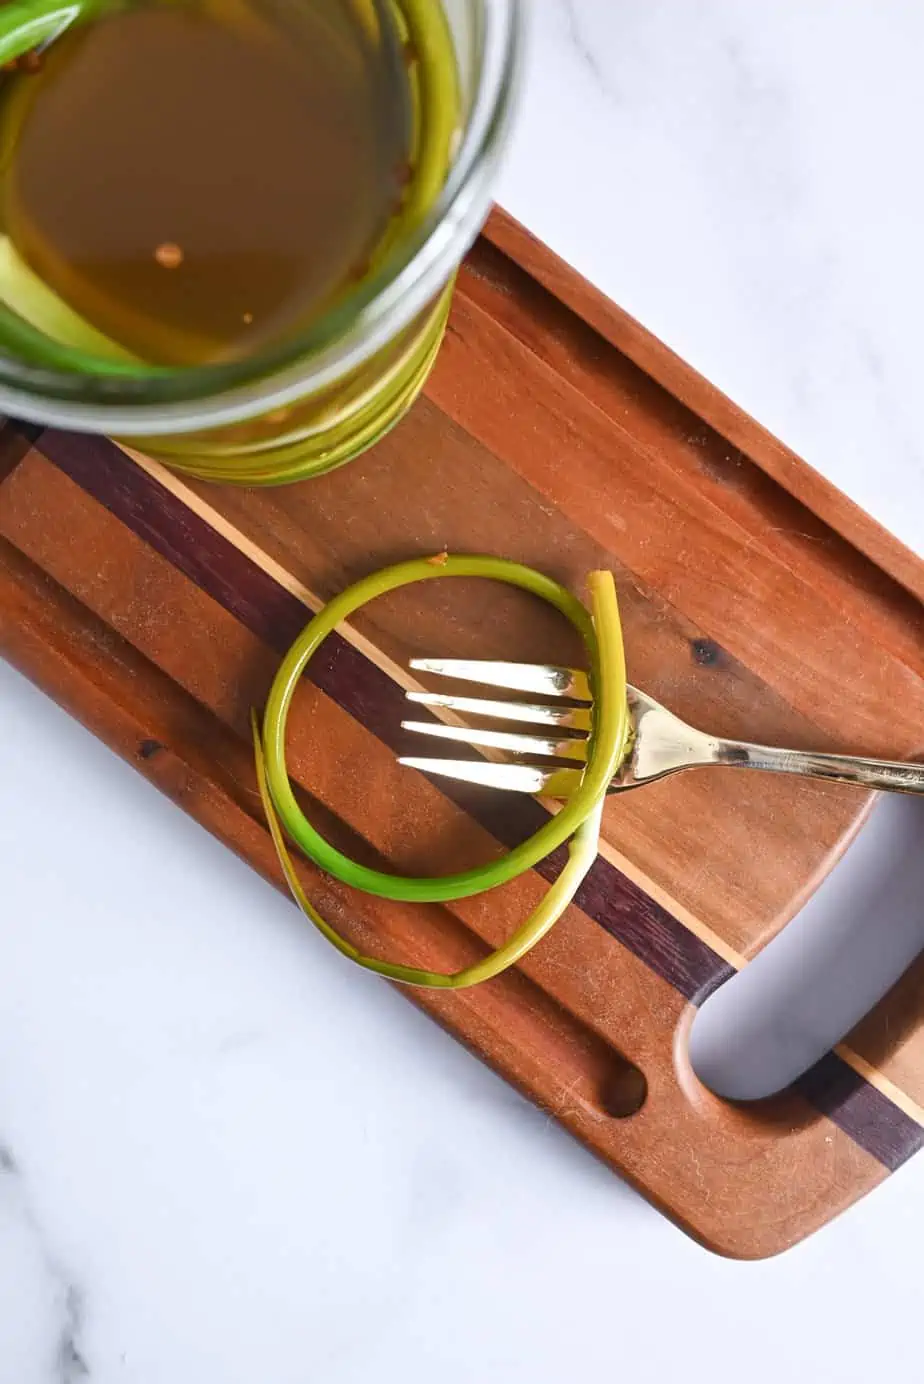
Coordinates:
[681,380]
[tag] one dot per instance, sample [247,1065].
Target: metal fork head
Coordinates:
[660,742]
[537,679]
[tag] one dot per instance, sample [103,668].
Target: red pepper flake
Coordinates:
[169,255]
[439,559]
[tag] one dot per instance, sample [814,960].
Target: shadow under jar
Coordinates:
[229,228]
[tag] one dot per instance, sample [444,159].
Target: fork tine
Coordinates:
[501,740]
[531,713]
[543,679]
[510,778]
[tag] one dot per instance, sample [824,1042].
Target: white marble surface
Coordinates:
[744,178]
[226,1157]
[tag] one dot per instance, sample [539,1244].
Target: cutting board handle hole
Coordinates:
[828,968]
[624,1092]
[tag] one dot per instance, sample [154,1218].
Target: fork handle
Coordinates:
[885,774]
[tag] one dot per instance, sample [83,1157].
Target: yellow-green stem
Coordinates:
[607,747]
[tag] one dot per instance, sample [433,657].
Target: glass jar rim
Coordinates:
[200,397]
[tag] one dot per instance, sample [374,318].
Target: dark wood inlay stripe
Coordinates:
[862,1112]
[367,693]
[16,441]
[362,689]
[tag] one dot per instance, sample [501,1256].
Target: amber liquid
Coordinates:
[199,180]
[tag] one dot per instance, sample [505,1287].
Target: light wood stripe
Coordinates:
[269,565]
[702,930]
[402,676]
[883,1084]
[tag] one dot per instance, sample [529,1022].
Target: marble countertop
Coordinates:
[225,1156]
[742,178]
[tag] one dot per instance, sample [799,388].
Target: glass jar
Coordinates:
[315,402]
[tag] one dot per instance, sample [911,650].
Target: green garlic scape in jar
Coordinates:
[228,228]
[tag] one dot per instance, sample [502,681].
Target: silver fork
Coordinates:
[661,743]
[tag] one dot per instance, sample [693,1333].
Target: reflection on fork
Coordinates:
[660,743]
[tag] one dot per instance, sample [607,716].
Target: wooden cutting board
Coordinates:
[758,602]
